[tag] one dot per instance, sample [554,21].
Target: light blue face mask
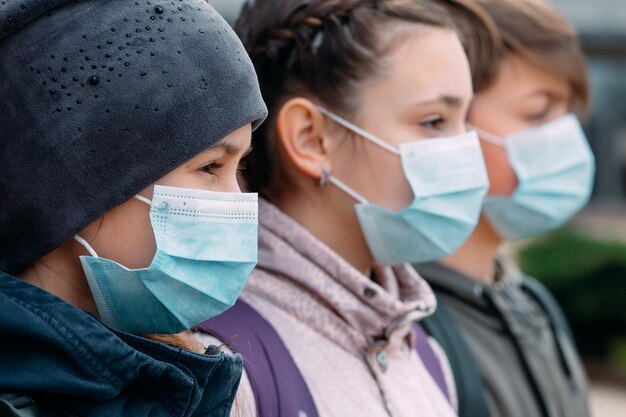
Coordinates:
[448,180]
[206,248]
[555,170]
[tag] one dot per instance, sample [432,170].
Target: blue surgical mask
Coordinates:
[206,248]
[449,181]
[555,170]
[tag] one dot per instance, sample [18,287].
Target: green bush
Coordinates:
[588,278]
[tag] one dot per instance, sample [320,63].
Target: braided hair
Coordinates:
[325,49]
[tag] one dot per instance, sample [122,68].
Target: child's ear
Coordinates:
[300,128]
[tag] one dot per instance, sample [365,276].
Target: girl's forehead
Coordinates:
[428,64]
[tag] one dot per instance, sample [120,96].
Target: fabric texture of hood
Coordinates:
[101,98]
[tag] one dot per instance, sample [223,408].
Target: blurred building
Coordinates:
[601,26]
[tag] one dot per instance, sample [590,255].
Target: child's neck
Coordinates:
[338,228]
[476,258]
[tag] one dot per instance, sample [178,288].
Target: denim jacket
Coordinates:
[71,364]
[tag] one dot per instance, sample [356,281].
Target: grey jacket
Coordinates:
[526,368]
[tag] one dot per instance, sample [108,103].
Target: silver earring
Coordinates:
[324,178]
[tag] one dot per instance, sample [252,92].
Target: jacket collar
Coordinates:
[449,280]
[51,350]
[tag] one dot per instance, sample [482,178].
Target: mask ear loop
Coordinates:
[487,137]
[358,130]
[86,245]
[325,178]
[143,199]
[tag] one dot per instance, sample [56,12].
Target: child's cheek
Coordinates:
[501,176]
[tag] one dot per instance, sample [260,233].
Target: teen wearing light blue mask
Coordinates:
[541,168]
[206,248]
[520,358]
[177,253]
[365,165]
[555,169]
[122,223]
[448,180]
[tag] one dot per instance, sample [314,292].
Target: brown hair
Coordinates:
[184,340]
[324,49]
[538,32]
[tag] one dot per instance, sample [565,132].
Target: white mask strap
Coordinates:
[486,136]
[358,130]
[343,187]
[143,199]
[86,245]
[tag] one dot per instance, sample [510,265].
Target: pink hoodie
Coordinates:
[335,322]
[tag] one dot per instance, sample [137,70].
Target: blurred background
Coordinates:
[584,265]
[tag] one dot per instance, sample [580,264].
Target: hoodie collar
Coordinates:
[302,275]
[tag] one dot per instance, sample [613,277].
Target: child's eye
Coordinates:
[539,116]
[211,168]
[433,123]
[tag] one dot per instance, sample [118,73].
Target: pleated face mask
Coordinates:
[449,181]
[206,248]
[555,170]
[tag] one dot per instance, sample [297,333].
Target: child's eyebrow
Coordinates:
[450,101]
[229,148]
[550,94]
